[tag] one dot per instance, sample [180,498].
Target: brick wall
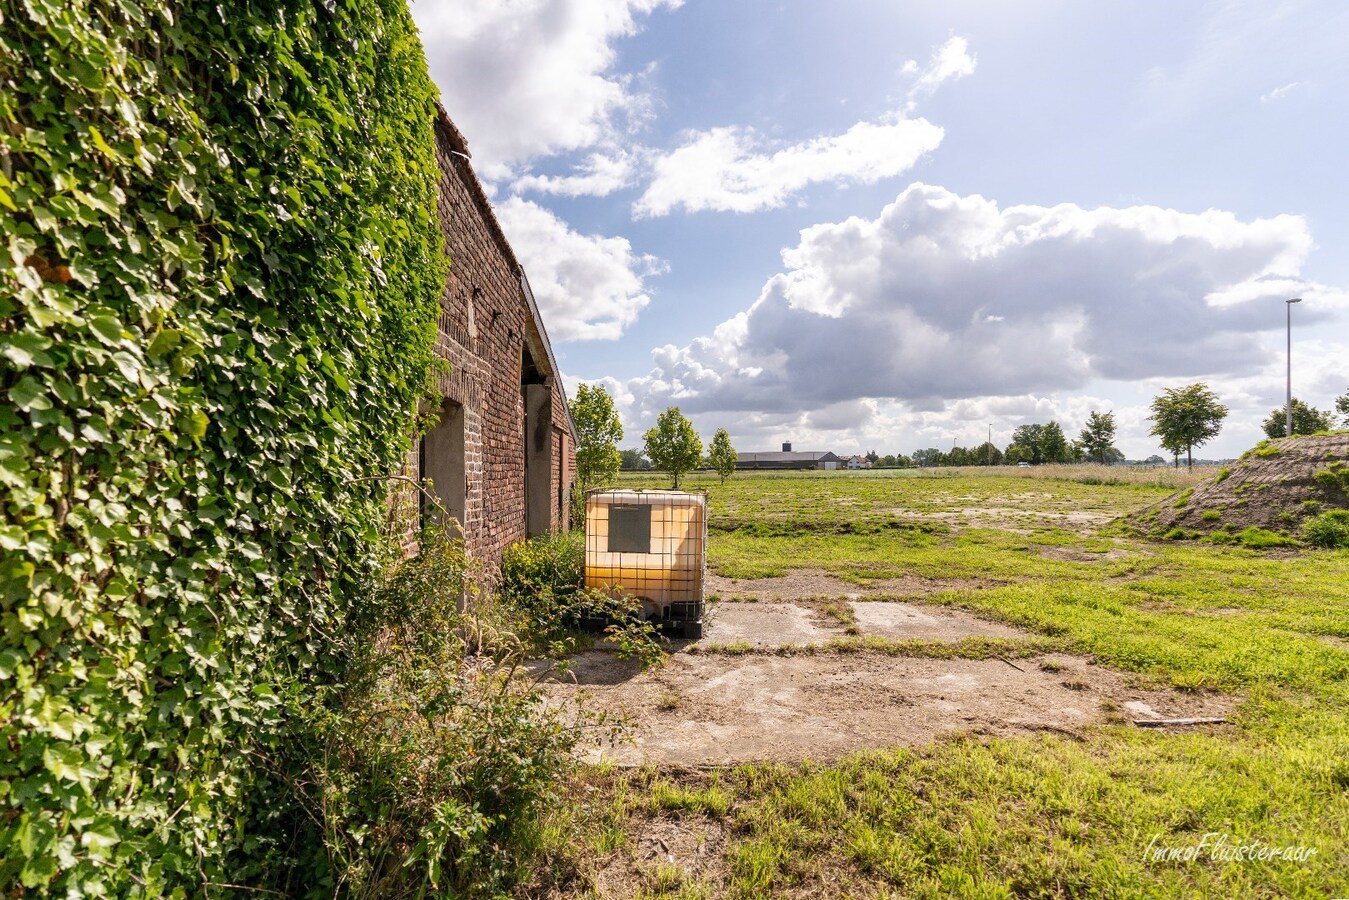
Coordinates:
[485,327]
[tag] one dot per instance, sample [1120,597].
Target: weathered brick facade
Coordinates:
[503,459]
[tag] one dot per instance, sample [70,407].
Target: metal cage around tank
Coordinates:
[651,545]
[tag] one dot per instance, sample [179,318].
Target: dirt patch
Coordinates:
[800,585]
[707,709]
[905,620]
[691,846]
[1023,517]
[766,625]
[810,584]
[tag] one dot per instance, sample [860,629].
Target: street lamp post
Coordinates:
[1288,404]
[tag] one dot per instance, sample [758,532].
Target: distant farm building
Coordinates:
[787,458]
[503,456]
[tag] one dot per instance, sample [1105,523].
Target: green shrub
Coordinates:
[1330,529]
[216,311]
[1211,515]
[428,769]
[1222,474]
[541,576]
[543,589]
[1258,538]
[1333,479]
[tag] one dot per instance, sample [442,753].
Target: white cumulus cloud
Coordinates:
[589,287]
[529,78]
[950,62]
[598,176]
[945,296]
[731,168]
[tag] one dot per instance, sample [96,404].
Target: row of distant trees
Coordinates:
[1182,419]
[1035,443]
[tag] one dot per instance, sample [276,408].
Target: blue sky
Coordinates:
[874,225]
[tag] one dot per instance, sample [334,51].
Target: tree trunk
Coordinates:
[1189,456]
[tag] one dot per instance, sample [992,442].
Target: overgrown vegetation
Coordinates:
[216,315]
[1041,815]
[543,591]
[432,758]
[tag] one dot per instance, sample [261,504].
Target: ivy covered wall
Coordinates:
[218,290]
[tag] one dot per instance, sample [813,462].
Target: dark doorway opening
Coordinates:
[537,399]
[442,462]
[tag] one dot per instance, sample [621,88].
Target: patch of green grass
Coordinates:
[1210,515]
[967,648]
[840,611]
[690,797]
[1258,538]
[733,648]
[1265,449]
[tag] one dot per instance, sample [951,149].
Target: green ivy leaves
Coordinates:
[199,353]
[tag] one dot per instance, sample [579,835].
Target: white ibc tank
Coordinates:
[648,544]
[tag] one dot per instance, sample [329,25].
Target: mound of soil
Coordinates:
[1277,486]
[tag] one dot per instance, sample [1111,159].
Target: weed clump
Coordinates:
[430,761]
[544,595]
[1328,530]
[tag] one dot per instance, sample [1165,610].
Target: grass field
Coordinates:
[1045,815]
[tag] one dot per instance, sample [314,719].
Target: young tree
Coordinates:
[1054,444]
[673,445]
[1099,435]
[598,432]
[722,455]
[1306,420]
[1342,407]
[1185,418]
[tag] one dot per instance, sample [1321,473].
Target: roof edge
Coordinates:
[459,146]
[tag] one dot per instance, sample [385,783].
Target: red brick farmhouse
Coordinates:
[503,457]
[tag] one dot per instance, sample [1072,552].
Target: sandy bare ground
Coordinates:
[1021,519]
[770,625]
[713,709]
[761,703]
